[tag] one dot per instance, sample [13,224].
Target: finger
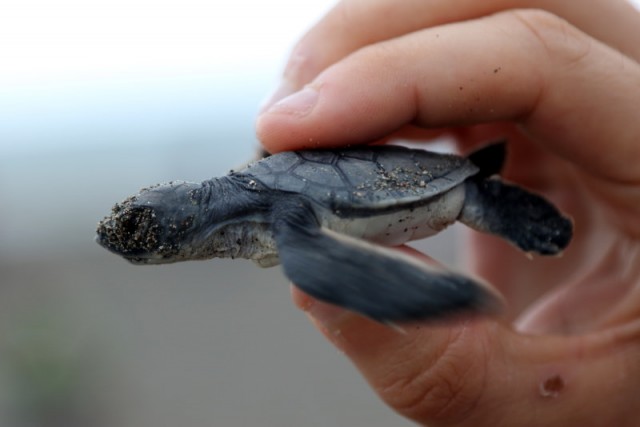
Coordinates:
[564,88]
[353,24]
[474,372]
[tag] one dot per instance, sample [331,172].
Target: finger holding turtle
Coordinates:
[354,24]
[571,102]
[539,92]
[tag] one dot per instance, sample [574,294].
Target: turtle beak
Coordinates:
[130,232]
[152,227]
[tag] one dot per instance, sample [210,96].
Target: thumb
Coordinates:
[481,373]
[427,374]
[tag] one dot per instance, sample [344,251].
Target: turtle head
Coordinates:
[155,226]
[179,221]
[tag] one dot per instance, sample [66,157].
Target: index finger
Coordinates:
[353,24]
[563,87]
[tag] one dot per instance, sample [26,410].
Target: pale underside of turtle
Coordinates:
[329,218]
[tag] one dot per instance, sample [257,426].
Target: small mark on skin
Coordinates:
[497,70]
[552,387]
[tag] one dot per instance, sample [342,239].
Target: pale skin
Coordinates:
[563,84]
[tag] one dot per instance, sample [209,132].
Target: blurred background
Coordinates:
[97,99]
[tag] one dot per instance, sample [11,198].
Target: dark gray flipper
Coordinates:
[527,220]
[489,159]
[380,283]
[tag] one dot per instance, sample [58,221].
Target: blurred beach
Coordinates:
[99,99]
[89,113]
[88,339]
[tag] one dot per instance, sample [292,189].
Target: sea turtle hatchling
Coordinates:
[327,217]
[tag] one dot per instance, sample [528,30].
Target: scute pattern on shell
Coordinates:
[375,177]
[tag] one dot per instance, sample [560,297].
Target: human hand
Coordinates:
[566,98]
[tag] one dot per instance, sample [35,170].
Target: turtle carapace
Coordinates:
[329,216]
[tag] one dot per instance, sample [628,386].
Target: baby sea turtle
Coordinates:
[327,217]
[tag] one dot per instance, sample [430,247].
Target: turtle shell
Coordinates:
[367,178]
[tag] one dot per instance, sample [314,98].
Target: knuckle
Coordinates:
[388,55]
[301,67]
[324,43]
[354,15]
[446,391]
[379,53]
[345,13]
[561,40]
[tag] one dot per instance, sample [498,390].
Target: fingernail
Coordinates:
[321,313]
[298,104]
[285,89]
[326,314]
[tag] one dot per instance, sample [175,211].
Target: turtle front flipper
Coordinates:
[380,283]
[525,219]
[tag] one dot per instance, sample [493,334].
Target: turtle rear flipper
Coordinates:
[489,159]
[380,283]
[525,219]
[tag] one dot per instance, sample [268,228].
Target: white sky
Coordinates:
[70,39]
[66,64]
[80,72]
